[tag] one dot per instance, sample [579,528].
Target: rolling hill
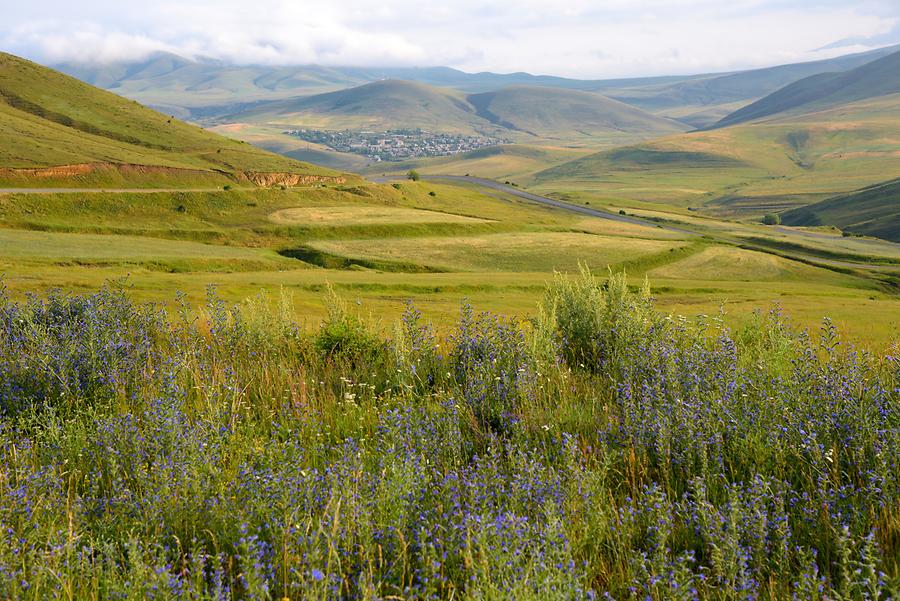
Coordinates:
[872,211]
[56,129]
[520,112]
[825,90]
[557,113]
[385,104]
[745,170]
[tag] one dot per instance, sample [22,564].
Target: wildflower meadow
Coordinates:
[599,450]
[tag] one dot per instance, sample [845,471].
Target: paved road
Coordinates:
[551,202]
[98,190]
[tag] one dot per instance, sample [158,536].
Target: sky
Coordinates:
[573,38]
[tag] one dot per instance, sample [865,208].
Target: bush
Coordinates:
[413,175]
[771,219]
[344,337]
[598,322]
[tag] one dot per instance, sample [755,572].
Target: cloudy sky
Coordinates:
[579,38]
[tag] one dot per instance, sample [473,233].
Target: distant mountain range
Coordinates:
[205,88]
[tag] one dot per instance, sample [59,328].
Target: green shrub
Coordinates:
[344,337]
[771,219]
[596,322]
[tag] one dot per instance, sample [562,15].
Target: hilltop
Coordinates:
[825,90]
[54,128]
[872,211]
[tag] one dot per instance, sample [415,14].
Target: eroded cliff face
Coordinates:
[118,172]
[61,171]
[266,180]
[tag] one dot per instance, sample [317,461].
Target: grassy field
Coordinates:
[494,249]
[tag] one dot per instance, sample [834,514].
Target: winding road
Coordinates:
[544,200]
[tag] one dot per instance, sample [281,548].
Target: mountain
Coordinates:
[554,113]
[703,100]
[872,211]
[825,90]
[514,112]
[56,128]
[204,88]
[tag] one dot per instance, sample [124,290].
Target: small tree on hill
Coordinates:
[413,175]
[772,219]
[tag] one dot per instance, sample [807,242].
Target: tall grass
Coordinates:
[602,449]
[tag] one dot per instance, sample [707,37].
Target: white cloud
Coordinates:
[584,38]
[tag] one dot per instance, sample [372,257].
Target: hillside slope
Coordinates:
[520,112]
[704,100]
[826,90]
[872,211]
[752,168]
[554,112]
[381,105]
[56,128]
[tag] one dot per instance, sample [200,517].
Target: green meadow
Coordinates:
[438,243]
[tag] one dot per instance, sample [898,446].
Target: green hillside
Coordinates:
[555,113]
[523,113]
[825,90]
[872,211]
[749,169]
[57,129]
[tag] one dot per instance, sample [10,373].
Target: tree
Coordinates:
[413,175]
[772,219]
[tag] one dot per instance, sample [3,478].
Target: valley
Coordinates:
[584,180]
[364,330]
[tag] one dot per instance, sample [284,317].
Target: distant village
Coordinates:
[395,144]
